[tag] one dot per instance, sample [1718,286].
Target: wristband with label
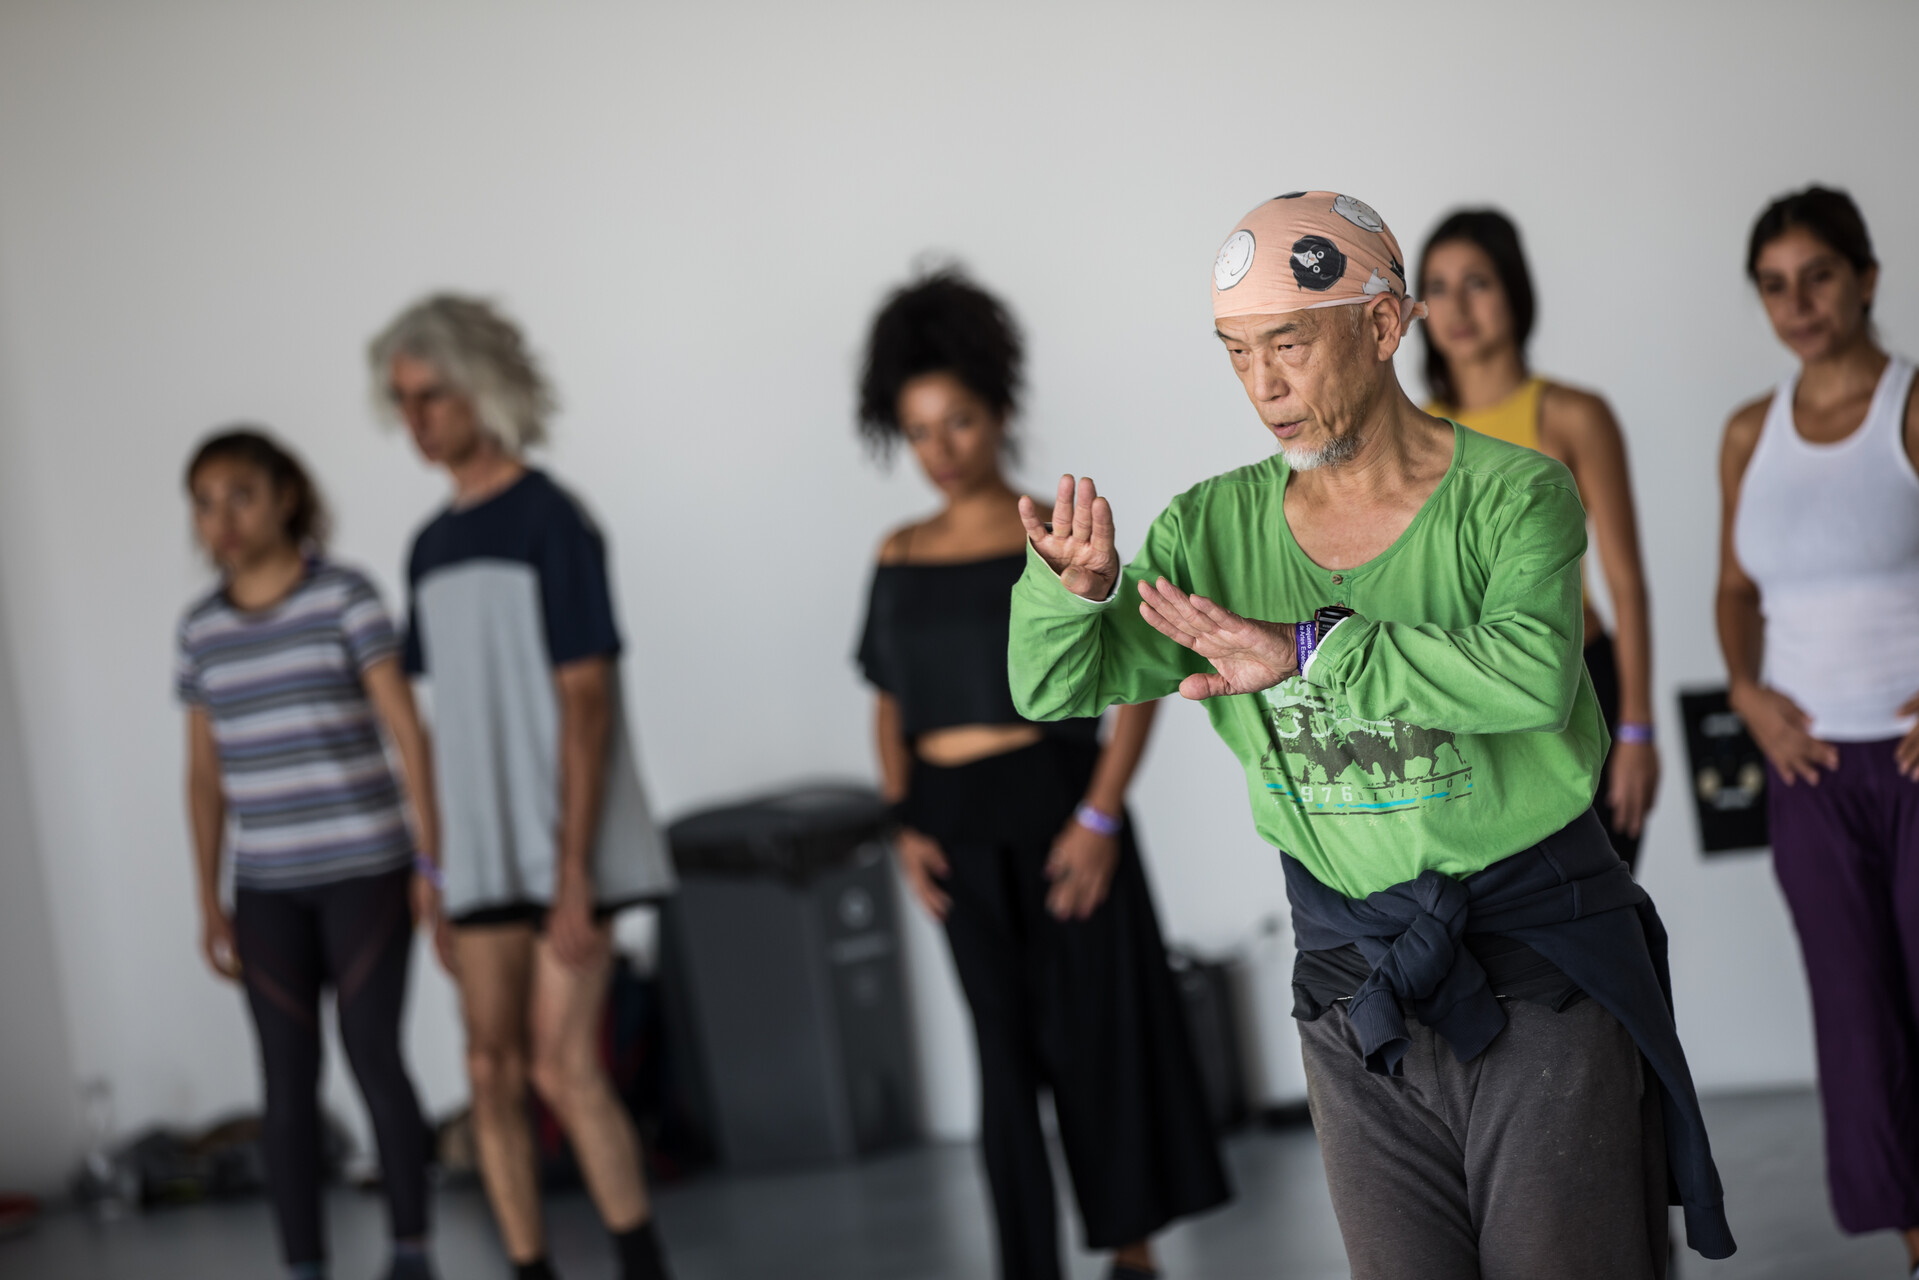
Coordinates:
[1632,731]
[1307,636]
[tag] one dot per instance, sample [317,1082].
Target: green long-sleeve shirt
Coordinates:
[1448,724]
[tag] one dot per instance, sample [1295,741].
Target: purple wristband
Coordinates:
[425,866]
[1305,640]
[1632,731]
[1100,824]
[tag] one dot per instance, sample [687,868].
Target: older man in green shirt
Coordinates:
[1384,620]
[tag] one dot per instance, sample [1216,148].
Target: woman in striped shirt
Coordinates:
[289,670]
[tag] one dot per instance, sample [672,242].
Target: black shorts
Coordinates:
[533,913]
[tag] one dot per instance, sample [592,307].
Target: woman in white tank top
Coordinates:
[1818,613]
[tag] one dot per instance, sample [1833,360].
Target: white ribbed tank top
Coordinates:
[1830,533]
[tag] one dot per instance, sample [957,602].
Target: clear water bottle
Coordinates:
[107,1183]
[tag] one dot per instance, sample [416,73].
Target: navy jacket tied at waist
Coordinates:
[1569,898]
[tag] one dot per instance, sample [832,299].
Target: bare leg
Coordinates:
[496,967]
[1912,1246]
[568,1005]
[1138,1256]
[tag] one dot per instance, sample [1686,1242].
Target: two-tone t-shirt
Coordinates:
[310,795]
[502,593]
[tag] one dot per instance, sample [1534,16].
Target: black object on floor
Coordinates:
[1206,992]
[165,1166]
[787,929]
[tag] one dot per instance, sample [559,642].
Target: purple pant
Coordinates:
[1847,855]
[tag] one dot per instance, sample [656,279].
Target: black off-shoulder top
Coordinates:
[935,638]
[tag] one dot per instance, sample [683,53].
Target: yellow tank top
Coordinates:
[1514,419]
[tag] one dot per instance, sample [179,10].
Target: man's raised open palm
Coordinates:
[1079,546]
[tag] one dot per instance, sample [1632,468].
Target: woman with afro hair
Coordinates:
[1014,834]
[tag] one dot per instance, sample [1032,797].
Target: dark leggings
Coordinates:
[356,935]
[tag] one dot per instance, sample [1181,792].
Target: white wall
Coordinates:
[39,1115]
[208,207]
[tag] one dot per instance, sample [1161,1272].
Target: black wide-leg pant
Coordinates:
[1086,1007]
[356,935]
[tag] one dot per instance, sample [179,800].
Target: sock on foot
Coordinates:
[640,1256]
[538,1269]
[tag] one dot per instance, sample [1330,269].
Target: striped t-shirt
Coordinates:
[309,792]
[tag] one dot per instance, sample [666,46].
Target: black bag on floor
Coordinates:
[1206,992]
[165,1166]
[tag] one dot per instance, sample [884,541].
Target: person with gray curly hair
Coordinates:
[474,352]
[546,833]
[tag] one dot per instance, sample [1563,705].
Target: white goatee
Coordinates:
[1333,452]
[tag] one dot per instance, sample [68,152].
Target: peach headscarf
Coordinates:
[1309,249]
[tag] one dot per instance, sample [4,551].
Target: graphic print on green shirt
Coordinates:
[1336,765]
[1448,724]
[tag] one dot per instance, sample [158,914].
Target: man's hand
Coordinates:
[1784,732]
[1080,546]
[1248,655]
[1081,869]
[923,863]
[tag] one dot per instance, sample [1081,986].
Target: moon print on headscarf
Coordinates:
[1317,263]
[1234,261]
[1359,213]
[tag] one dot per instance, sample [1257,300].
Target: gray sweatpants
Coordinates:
[1542,1157]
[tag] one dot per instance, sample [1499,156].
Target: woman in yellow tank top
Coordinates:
[1473,277]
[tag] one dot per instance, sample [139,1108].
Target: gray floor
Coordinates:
[921,1216]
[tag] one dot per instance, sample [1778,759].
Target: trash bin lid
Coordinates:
[793,834]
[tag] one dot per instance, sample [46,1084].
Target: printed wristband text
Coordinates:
[1305,640]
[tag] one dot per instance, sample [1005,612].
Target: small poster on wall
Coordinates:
[1728,774]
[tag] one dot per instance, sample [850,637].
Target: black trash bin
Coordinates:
[790,942]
